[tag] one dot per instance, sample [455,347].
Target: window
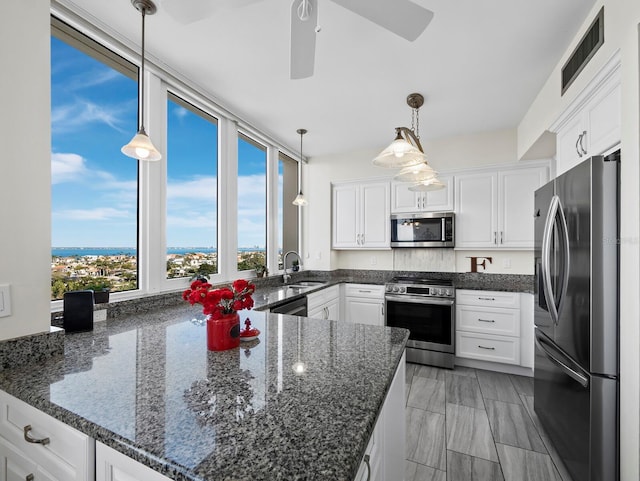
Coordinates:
[252,203]
[287,212]
[192,190]
[94,187]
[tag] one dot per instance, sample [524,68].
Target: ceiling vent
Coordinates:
[586,49]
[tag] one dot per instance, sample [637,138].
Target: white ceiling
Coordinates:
[479,65]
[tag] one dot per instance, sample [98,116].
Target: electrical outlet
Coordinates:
[374,260]
[506,263]
[5,300]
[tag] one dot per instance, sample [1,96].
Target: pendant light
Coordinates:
[300,200]
[140,147]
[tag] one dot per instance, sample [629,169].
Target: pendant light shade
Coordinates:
[300,199]
[401,153]
[140,147]
[416,173]
[427,185]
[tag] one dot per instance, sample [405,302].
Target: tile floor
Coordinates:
[474,425]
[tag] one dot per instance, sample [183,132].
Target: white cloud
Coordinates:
[180,112]
[199,188]
[77,115]
[93,78]
[98,213]
[67,167]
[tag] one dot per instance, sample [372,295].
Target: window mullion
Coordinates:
[228,200]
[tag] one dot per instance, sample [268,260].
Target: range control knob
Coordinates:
[403,290]
[395,288]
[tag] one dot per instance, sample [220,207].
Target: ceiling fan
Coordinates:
[402,17]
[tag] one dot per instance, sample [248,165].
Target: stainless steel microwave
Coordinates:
[424,229]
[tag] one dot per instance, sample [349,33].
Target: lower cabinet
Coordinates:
[364,304]
[34,446]
[324,304]
[495,326]
[114,466]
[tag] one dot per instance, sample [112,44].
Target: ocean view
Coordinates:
[130,251]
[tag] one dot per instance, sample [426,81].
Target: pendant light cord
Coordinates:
[143,10]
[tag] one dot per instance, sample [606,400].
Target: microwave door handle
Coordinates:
[549,228]
[443,229]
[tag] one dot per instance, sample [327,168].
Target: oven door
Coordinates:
[430,320]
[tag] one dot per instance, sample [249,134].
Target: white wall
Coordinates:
[446,154]
[622,19]
[25,166]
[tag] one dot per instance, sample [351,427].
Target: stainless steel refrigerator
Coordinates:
[576,316]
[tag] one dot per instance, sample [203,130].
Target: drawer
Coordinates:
[487,347]
[489,320]
[321,297]
[488,298]
[68,455]
[370,291]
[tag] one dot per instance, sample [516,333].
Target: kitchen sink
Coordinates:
[300,284]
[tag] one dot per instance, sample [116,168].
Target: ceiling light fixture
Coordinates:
[140,147]
[300,200]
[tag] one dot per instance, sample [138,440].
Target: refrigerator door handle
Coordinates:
[573,374]
[546,258]
[566,259]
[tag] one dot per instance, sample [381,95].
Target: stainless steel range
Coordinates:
[427,308]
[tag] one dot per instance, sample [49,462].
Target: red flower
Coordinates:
[220,302]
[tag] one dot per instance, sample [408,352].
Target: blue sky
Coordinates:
[94,204]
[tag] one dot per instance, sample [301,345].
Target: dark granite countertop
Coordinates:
[146,385]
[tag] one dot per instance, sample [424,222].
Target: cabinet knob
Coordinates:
[30,477]
[29,439]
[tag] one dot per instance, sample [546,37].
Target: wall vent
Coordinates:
[586,49]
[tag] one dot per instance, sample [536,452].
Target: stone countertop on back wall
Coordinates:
[145,385]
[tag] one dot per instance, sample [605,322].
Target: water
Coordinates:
[131,251]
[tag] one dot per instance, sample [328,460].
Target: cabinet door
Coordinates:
[404,200]
[515,206]
[333,310]
[364,311]
[476,198]
[375,220]
[114,466]
[440,200]
[345,217]
[602,119]
[15,466]
[568,149]
[317,313]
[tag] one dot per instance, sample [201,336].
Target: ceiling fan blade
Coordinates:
[190,11]
[303,40]
[402,17]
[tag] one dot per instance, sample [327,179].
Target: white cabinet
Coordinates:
[404,200]
[591,124]
[114,466]
[495,326]
[57,451]
[364,304]
[360,215]
[324,304]
[494,209]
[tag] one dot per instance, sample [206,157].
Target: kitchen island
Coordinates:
[146,386]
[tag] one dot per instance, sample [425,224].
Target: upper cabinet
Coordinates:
[591,124]
[494,209]
[360,217]
[403,200]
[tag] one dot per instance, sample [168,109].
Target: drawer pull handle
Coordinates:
[364,292]
[488,348]
[487,298]
[29,439]
[29,477]
[486,320]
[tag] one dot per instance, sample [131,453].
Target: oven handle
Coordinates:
[420,300]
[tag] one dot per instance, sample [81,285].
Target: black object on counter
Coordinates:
[78,311]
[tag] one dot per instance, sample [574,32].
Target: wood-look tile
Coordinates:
[420,472]
[462,467]
[463,390]
[555,457]
[430,372]
[511,424]
[522,384]
[426,438]
[410,368]
[498,386]
[463,371]
[427,394]
[468,432]
[523,465]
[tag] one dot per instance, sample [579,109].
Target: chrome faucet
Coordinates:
[286,277]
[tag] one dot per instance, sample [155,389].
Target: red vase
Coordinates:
[223,334]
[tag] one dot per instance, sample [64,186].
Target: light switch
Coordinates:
[5,300]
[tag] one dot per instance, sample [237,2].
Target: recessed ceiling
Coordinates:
[479,65]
